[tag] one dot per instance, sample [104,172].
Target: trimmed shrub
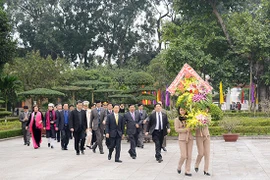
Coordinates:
[10,133]
[216,112]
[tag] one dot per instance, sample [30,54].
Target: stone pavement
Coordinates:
[247,159]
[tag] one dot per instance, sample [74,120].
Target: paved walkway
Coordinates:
[247,159]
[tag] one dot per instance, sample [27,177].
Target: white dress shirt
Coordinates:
[157,125]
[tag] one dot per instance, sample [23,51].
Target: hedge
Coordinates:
[248,127]
[10,133]
[9,119]
[245,114]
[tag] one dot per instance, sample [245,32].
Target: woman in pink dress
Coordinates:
[35,126]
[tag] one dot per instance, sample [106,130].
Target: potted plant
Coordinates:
[229,124]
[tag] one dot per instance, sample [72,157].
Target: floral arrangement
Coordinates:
[196,99]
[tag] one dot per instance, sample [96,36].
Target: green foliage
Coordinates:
[10,133]
[4,113]
[7,45]
[8,86]
[246,126]
[10,125]
[139,79]
[78,28]
[229,123]
[216,112]
[37,72]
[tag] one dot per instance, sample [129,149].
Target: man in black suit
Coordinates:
[62,125]
[133,122]
[114,132]
[78,125]
[159,127]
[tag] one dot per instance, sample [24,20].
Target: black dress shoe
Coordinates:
[101,152]
[142,146]
[119,161]
[133,157]
[94,150]
[164,149]
[89,147]
[52,147]
[49,145]
[196,169]
[24,143]
[206,173]
[188,174]
[65,149]
[28,144]
[78,153]
[82,151]
[179,171]
[109,157]
[160,160]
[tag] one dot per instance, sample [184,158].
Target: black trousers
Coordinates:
[58,137]
[158,137]
[65,133]
[133,139]
[79,140]
[115,142]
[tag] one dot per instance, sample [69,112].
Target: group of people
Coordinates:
[90,123]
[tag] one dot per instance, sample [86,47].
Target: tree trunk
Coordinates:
[221,22]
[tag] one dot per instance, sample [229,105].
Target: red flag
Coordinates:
[242,96]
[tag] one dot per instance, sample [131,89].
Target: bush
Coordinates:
[249,126]
[10,133]
[244,114]
[216,112]
[10,125]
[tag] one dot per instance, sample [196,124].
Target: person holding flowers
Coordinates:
[185,140]
[203,146]
[196,98]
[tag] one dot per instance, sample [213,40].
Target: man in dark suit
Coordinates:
[24,117]
[62,125]
[78,125]
[58,114]
[109,108]
[133,122]
[143,116]
[97,123]
[158,127]
[114,132]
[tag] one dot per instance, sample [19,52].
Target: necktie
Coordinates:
[159,119]
[116,119]
[133,116]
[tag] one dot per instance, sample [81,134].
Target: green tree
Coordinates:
[37,72]
[7,45]
[8,86]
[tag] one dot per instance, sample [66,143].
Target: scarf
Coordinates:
[38,121]
[48,122]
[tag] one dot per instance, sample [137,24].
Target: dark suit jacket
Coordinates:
[94,118]
[61,120]
[153,121]
[112,128]
[74,121]
[131,124]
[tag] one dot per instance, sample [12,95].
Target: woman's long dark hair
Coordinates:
[180,117]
